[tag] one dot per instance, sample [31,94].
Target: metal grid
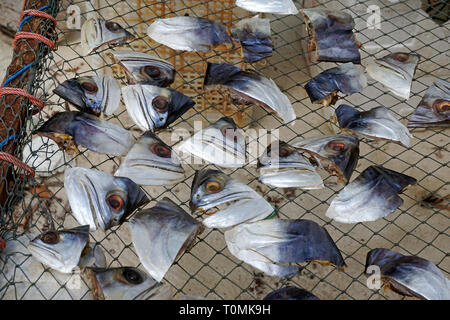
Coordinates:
[208,269]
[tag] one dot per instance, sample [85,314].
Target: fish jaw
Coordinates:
[169,230]
[242,211]
[64,255]
[283,7]
[188,33]
[346,78]
[287,168]
[291,178]
[212,146]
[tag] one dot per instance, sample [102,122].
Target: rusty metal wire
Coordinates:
[208,269]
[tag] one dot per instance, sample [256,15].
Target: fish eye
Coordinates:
[89,87]
[132,276]
[152,71]
[336,146]
[113,26]
[50,237]
[402,57]
[284,152]
[213,187]
[115,202]
[161,151]
[160,104]
[441,106]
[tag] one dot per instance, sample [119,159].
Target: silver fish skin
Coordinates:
[152,107]
[290,293]
[151,162]
[331,35]
[162,233]
[92,94]
[269,245]
[188,33]
[141,68]
[377,123]
[371,196]
[60,250]
[98,32]
[410,275]
[395,71]
[97,195]
[125,283]
[434,108]
[71,128]
[346,78]
[222,143]
[337,154]
[254,36]
[287,168]
[213,188]
[284,7]
[249,88]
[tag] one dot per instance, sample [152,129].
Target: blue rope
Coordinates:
[30,17]
[18,73]
[14,136]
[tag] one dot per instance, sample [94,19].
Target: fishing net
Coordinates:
[31,205]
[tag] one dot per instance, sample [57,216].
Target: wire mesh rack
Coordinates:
[34,205]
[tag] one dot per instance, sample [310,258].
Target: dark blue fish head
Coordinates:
[346,114]
[290,293]
[81,92]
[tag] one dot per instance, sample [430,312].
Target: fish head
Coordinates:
[91,94]
[61,250]
[124,283]
[337,154]
[97,32]
[212,188]
[69,129]
[434,108]
[142,68]
[153,107]
[93,193]
[151,162]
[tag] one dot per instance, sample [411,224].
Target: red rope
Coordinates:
[21,92]
[31,35]
[16,162]
[37,13]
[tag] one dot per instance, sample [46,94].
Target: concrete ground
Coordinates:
[208,269]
